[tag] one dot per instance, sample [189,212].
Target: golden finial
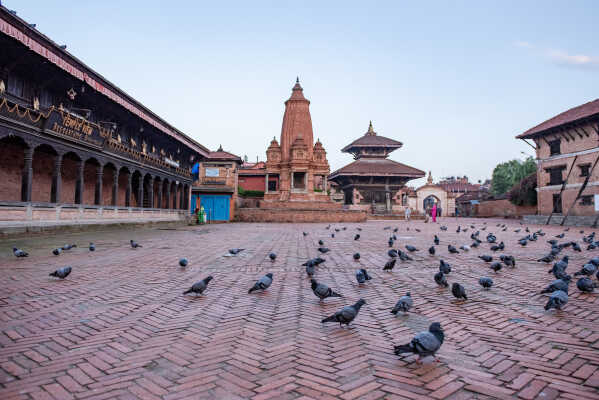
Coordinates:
[430,178]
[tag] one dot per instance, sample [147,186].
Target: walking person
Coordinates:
[408,212]
[434,212]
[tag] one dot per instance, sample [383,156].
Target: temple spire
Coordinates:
[371,131]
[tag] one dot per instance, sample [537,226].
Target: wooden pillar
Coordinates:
[181,197]
[151,193]
[129,190]
[159,205]
[79,185]
[175,197]
[140,191]
[27,175]
[98,194]
[168,197]
[56,180]
[115,187]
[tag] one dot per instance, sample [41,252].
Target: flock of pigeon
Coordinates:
[425,343]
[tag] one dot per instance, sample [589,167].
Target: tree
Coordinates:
[507,174]
[524,192]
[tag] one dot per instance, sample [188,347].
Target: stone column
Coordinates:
[115,187]
[98,194]
[80,183]
[291,179]
[140,191]
[129,190]
[56,180]
[159,205]
[151,193]
[27,175]
[266,184]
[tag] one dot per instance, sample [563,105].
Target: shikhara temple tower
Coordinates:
[296,170]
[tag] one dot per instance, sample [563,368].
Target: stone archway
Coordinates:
[429,201]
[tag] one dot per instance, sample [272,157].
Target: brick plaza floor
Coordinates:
[119,327]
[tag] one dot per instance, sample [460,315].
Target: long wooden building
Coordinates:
[73,145]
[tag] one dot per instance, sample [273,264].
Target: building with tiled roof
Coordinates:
[372,181]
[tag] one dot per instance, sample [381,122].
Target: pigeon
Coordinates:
[486,282]
[459,229]
[359,229]
[547,259]
[452,249]
[458,291]
[526,229]
[576,247]
[322,291]
[558,284]
[235,251]
[332,235]
[390,242]
[440,279]
[436,240]
[389,265]
[498,247]
[561,235]
[403,304]
[183,262]
[19,253]
[404,256]
[362,276]
[357,236]
[431,250]
[320,242]
[387,228]
[135,245]
[92,247]
[323,250]
[314,261]
[62,272]
[594,261]
[491,238]
[199,287]
[417,230]
[310,269]
[443,228]
[552,242]
[586,285]
[425,343]
[587,269]
[395,230]
[509,261]
[518,230]
[444,267]
[523,242]
[557,300]
[465,247]
[262,283]
[328,227]
[486,258]
[560,265]
[496,266]
[304,233]
[346,314]
[272,256]
[57,251]
[392,253]
[474,244]
[356,256]
[68,246]
[344,228]
[411,249]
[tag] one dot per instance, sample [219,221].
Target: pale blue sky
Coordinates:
[454,81]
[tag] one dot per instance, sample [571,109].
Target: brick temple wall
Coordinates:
[294,215]
[503,208]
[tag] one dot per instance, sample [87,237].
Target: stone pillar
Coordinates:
[151,193]
[129,190]
[56,180]
[159,205]
[27,175]
[266,184]
[115,187]
[291,179]
[140,191]
[80,183]
[98,194]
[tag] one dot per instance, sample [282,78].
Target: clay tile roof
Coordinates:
[371,139]
[574,114]
[378,167]
[220,154]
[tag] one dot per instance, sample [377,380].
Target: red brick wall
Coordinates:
[12,161]
[43,168]
[68,172]
[251,182]
[299,205]
[89,180]
[280,215]
[503,208]
[107,178]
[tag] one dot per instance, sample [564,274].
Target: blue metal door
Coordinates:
[194,198]
[216,206]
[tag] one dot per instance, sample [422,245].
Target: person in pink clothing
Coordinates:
[434,212]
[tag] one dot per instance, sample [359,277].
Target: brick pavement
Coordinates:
[119,328]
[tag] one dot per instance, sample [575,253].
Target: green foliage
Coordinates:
[507,174]
[318,190]
[524,193]
[249,193]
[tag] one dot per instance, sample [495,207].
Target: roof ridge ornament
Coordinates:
[220,147]
[371,131]
[429,180]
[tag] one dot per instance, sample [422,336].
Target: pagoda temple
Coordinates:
[373,182]
[297,168]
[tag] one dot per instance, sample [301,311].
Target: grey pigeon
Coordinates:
[134,244]
[443,228]
[557,300]
[547,259]
[431,250]
[272,256]
[19,253]
[235,251]
[389,264]
[323,250]
[310,269]
[57,251]
[587,269]
[320,242]
[362,276]
[322,291]
[411,249]
[440,279]
[509,261]
[586,285]
[68,246]
[425,343]
[404,256]
[561,235]
[486,282]
[465,247]
[304,233]
[392,253]
[452,249]
[458,291]
[496,266]
[62,272]
[346,315]
[92,247]
[558,284]
[486,258]
[594,261]
[403,304]
[390,242]
[436,240]
[576,247]
[183,262]
[356,256]
[444,267]
[199,287]
[262,283]
[357,236]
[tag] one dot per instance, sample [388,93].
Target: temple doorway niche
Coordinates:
[299,180]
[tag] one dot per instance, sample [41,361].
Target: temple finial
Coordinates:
[430,178]
[370,129]
[297,79]
[220,147]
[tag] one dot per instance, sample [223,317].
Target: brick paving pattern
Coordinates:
[119,327]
